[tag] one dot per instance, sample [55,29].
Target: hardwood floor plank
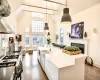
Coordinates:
[32,69]
[92,73]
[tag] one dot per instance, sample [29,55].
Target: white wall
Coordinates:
[91,18]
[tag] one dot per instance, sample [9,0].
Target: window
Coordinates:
[27,30]
[27,40]
[61,36]
[38,39]
[35,33]
[37,15]
[37,26]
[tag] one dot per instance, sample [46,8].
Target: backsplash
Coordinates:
[1,53]
[2,45]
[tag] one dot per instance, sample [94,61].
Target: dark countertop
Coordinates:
[6,73]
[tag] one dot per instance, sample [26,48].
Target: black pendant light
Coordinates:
[66,18]
[46,24]
[48,34]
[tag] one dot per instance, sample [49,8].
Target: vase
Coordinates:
[49,47]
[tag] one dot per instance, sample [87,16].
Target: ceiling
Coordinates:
[74,5]
[15,4]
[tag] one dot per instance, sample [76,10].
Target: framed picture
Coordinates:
[77,30]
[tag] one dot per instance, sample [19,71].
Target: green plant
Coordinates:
[72,48]
[48,40]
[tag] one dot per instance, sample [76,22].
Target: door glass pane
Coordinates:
[61,36]
[38,40]
[27,40]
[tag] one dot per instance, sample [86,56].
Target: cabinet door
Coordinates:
[38,55]
[42,59]
[51,70]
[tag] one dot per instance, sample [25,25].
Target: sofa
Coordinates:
[58,45]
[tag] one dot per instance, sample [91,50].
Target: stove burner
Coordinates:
[8,61]
[11,57]
[7,64]
[5,60]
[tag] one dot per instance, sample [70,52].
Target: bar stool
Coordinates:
[18,71]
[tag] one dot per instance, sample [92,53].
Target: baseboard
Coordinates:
[97,65]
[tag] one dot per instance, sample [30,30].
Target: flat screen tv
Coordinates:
[77,30]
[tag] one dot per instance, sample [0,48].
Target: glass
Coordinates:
[61,36]
[27,39]
[37,26]
[38,39]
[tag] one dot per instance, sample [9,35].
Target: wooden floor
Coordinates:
[33,71]
[92,73]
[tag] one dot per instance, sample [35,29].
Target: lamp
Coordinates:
[46,24]
[66,18]
[48,34]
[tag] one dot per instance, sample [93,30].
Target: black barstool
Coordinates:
[18,71]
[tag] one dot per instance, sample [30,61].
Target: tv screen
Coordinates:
[77,30]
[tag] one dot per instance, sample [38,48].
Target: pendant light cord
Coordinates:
[46,11]
[66,3]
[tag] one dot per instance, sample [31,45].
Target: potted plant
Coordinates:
[64,50]
[72,50]
[48,41]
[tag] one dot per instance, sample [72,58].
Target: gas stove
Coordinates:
[8,61]
[11,57]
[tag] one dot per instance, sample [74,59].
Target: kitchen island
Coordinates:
[60,66]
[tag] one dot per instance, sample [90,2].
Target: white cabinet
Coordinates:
[51,70]
[71,72]
[42,60]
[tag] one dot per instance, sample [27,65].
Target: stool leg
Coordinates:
[20,77]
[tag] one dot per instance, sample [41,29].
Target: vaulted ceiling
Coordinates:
[74,5]
[15,4]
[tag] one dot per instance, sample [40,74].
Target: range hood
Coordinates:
[5,11]
[3,30]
